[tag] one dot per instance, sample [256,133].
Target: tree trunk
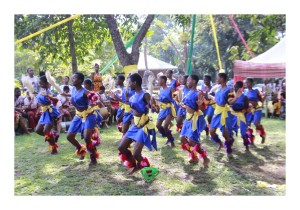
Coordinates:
[145,53]
[124,57]
[72,46]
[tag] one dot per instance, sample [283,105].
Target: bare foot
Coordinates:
[134,169]
[229,156]
[172,144]
[206,161]
[247,149]
[194,161]
[220,146]
[263,139]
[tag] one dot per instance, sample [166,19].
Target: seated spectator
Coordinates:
[30,107]
[19,121]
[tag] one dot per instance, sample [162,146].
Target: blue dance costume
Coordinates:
[167,106]
[222,117]
[48,110]
[255,114]
[143,127]
[211,104]
[194,124]
[89,118]
[238,111]
[181,111]
[124,107]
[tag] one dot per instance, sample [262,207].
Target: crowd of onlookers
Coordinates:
[27,110]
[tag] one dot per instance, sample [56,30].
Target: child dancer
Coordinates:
[181,113]
[194,123]
[167,111]
[85,120]
[238,110]
[254,97]
[49,116]
[222,116]
[209,101]
[141,130]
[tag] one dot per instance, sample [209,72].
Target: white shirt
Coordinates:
[33,103]
[62,87]
[62,100]
[35,82]
[19,101]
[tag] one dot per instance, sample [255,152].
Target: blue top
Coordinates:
[202,87]
[191,98]
[251,94]
[165,95]
[78,100]
[131,93]
[44,100]
[138,103]
[173,84]
[221,96]
[240,104]
[185,90]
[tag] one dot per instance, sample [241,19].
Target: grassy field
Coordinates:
[39,173]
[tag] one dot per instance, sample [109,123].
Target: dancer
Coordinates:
[85,119]
[141,130]
[209,101]
[238,111]
[124,114]
[181,113]
[49,116]
[174,83]
[255,97]
[222,117]
[167,111]
[194,123]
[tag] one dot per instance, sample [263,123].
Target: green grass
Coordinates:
[37,172]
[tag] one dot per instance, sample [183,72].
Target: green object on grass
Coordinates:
[149,173]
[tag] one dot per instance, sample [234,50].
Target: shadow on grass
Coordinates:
[80,178]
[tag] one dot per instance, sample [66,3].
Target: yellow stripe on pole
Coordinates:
[216,41]
[46,29]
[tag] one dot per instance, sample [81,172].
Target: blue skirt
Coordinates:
[163,113]
[216,123]
[181,112]
[209,111]
[188,132]
[128,116]
[243,126]
[46,117]
[138,135]
[77,126]
[253,117]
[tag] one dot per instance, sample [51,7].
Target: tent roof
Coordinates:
[276,54]
[153,63]
[270,64]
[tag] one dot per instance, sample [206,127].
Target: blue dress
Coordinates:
[238,108]
[166,106]
[221,98]
[79,122]
[255,114]
[197,118]
[143,127]
[48,110]
[181,111]
[209,111]
[127,117]
[173,84]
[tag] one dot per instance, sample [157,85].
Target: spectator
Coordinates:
[33,79]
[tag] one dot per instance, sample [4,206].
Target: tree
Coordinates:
[126,58]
